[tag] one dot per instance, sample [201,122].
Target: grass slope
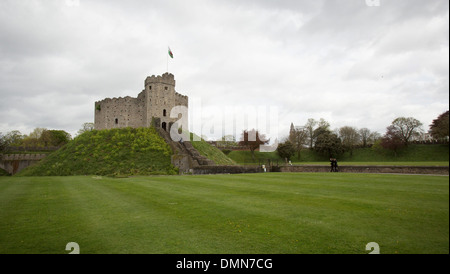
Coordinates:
[3,172]
[126,151]
[212,153]
[246,213]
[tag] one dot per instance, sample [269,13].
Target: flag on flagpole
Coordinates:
[170,53]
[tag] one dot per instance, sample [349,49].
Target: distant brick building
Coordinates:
[152,105]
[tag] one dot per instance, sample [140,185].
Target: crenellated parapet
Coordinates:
[166,79]
[117,100]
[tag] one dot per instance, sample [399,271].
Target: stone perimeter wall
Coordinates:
[435,170]
[440,170]
[14,163]
[226,169]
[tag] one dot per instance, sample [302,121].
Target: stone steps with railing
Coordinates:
[185,156]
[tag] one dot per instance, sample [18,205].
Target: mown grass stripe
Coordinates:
[245,213]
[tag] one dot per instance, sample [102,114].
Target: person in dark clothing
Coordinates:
[334,165]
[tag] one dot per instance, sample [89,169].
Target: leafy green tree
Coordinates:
[14,138]
[439,128]
[54,138]
[3,143]
[32,140]
[286,150]
[328,144]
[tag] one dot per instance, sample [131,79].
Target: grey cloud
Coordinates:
[311,58]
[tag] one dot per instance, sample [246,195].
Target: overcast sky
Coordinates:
[348,62]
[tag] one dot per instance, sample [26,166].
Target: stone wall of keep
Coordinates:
[120,112]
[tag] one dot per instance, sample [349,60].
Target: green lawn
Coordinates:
[246,213]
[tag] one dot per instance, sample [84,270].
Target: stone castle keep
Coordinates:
[152,106]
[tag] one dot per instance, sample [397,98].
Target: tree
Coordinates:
[3,143]
[405,128]
[322,127]
[392,140]
[313,132]
[364,133]
[349,137]
[42,137]
[309,127]
[439,128]
[252,140]
[328,144]
[286,150]
[32,140]
[228,141]
[13,138]
[298,137]
[86,127]
[54,138]
[36,133]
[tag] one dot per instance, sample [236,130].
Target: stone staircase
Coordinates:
[185,156]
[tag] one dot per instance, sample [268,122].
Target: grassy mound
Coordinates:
[212,153]
[3,172]
[114,152]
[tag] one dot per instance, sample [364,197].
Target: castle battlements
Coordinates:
[180,95]
[117,99]
[166,78]
[154,103]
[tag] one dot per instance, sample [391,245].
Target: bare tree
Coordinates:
[86,127]
[349,137]
[364,133]
[406,128]
[309,127]
[298,136]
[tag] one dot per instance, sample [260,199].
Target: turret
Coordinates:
[166,79]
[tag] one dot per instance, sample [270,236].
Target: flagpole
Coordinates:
[167,63]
